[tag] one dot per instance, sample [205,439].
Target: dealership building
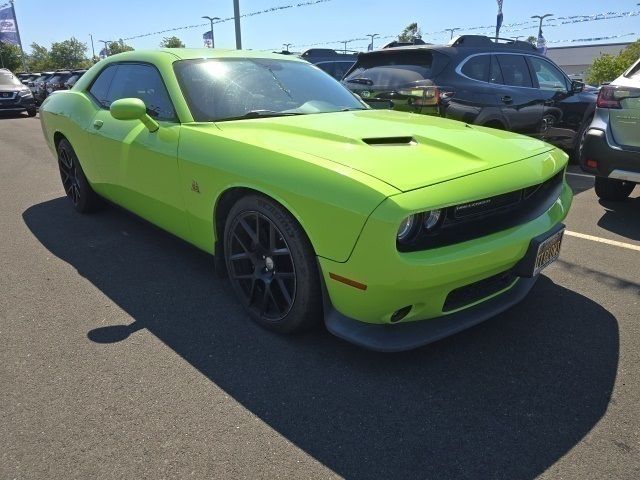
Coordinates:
[575,60]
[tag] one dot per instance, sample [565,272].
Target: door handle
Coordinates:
[97,124]
[506,99]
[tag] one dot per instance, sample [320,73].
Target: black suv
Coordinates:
[334,63]
[502,84]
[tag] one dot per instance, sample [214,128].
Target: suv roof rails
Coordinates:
[397,43]
[484,41]
[326,52]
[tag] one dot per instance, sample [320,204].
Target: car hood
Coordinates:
[404,150]
[12,88]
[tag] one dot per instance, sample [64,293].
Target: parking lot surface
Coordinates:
[124,356]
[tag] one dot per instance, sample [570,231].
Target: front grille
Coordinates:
[7,95]
[485,216]
[463,296]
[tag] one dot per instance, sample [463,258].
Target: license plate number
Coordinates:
[548,252]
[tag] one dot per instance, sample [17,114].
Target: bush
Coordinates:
[607,68]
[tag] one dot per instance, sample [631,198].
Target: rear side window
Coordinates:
[477,68]
[634,73]
[100,87]
[393,68]
[515,71]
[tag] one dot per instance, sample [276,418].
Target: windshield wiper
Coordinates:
[259,114]
[362,81]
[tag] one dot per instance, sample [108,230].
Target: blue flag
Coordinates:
[8,30]
[541,44]
[499,19]
[208,39]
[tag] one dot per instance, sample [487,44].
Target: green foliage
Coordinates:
[410,33]
[70,53]
[172,42]
[531,39]
[119,47]
[11,57]
[607,68]
[40,59]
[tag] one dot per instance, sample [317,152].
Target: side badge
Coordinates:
[195,187]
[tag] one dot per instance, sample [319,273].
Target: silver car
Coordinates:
[612,142]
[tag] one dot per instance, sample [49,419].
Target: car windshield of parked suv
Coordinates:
[8,80]
[229,89]
[392,68]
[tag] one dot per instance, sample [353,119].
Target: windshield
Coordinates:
[226,89]
[392,68]
[8,80]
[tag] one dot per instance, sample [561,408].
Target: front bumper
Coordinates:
[425,280]
[611,158]
[17,104]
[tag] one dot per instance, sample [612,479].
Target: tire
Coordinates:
[75,184]
[32,112]
[613,189]
[272,266]
[580,139]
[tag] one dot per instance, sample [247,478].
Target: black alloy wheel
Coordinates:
[262,266]
[74,182]
[272,266]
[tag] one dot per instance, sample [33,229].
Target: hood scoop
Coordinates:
[389,141]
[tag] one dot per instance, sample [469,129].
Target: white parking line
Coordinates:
[580,175]
[603,240]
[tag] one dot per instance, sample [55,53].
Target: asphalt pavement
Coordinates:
[123,356]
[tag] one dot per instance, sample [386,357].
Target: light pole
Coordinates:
[287,45]
[211,19]
[451,30]
[1,59]
[93,50]
[541,17]
[106,45]
[372,35]
[345,44]
[236,16]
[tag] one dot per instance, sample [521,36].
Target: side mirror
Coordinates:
[133,109]
[577,87]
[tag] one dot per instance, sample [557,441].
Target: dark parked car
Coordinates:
[611,148]
[39,88]
[505,84]
[75,76]
[334,63]
[56,82]
[14,96]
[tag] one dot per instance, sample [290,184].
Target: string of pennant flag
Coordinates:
[222,20]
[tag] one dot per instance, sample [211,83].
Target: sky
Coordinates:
[331,21]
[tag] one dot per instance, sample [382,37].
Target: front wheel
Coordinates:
[272,266]
[32,112]
[613,189]
[75,184]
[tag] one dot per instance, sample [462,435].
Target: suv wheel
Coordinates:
[613,189]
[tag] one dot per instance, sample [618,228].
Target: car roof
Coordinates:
[198,53]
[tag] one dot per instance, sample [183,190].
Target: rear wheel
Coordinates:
[272,266]
[613,189]
[578,150]
[32,112]
[75,184]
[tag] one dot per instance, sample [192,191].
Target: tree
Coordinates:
[70,53]
[119,47]
[172,42]
[11,56]
[533,40]
[40,59]
[609,67]
[410,33]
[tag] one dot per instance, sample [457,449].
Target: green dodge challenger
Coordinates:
[395,229]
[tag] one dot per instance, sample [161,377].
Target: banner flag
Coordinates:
[208,40]
[8,29]
[541,43]
[499,19]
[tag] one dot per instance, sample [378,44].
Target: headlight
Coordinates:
[407,228]
[25,93]
[413,225]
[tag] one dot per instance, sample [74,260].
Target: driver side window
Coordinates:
[134,81]
[549,77]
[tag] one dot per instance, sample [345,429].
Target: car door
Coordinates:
[516,96]
[563,109]
[139,168]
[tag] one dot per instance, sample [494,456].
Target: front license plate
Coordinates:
[548,252]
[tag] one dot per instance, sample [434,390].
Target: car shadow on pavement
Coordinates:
[505,399]
[622,218]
